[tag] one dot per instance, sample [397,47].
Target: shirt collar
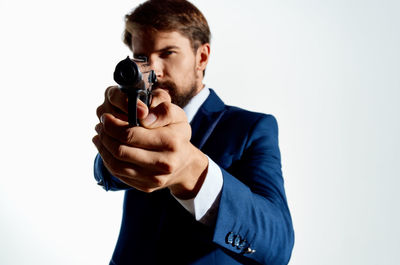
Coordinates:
[194,104]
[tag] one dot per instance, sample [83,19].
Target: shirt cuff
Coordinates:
[207,197]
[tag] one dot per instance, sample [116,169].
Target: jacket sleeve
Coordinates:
[105,179]
[253,217]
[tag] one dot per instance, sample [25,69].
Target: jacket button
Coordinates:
[243,244]
[229,238]
[237,241]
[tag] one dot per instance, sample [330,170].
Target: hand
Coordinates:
[154,156]
[116,103]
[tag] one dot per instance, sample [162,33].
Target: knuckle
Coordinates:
[129,136]
[174,163]
[109,91]
[99,111]
[120,152]
[165,166]
[111,96]
[175,144]
[168,142]
[106,92]
[158,182]
[102,140]
[147,189]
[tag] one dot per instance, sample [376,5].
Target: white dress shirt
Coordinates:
[204,206]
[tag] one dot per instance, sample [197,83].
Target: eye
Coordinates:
[165,54]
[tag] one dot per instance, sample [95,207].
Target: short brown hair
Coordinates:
[169,15]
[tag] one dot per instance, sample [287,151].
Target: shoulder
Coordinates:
[239,130]
[235,115]
[247,120]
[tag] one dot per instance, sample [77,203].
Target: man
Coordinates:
[202,180]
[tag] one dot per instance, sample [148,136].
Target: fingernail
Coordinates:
[141,107]
[102,118]
[150,119]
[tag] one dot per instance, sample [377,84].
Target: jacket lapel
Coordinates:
[206,119]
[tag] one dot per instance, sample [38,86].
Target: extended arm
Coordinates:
[253,218]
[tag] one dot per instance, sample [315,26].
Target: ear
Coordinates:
[202,56]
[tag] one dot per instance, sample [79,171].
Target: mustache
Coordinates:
[168,85]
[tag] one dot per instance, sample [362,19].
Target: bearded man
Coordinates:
[202,180]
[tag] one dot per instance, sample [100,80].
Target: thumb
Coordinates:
[142,110]
[164,114]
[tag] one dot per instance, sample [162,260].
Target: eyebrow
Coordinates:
[169,47]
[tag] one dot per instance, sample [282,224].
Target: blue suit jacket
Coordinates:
[253,212]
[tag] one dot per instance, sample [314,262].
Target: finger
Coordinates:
[145,186]
[108,117]
[133,183]
[132,136]
[155,162]
[107,107]
[158,96]
[135,176]
[142,110]
[141,137]
[119,102]
[113,165]
[164,114]
[117,98]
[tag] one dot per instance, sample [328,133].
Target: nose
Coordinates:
[157,65]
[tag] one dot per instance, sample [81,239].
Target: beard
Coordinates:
[179,98]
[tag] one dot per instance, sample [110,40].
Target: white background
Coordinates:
[328,70]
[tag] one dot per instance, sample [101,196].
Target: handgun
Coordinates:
[135,83]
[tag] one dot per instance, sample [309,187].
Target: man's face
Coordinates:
[171,56]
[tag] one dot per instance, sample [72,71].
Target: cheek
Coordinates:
[182,72]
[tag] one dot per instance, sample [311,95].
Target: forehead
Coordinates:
[145,41]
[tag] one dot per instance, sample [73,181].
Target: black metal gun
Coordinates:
[133,82]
